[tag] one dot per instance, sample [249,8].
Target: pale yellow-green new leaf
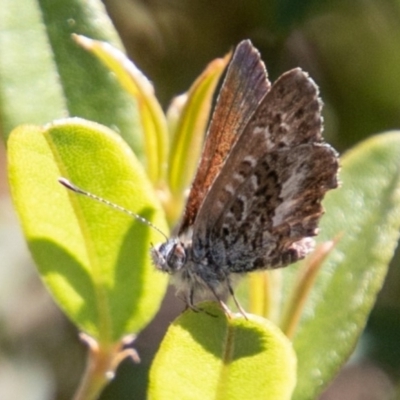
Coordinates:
[206,355]
[94,259]
[152,118]
[188,128]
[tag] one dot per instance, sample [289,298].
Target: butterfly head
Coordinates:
[169,256]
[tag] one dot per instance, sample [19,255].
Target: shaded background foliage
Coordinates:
[352,51]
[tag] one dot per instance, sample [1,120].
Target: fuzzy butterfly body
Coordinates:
[255,201]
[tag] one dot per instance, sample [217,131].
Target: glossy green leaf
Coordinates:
[44,75]
[93,258]
[151,115]
[28,76]
[365,210]
[207,356]
[189,128]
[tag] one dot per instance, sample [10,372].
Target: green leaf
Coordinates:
[28,77]
[44,75]
[193,109]
[94,259]
[366,212]
[214,357]
[152,118]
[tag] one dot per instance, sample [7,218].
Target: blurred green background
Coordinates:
[350,48]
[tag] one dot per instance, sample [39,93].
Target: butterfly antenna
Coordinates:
[76,189]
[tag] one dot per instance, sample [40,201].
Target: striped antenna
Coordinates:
[76,189]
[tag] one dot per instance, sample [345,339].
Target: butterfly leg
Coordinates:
[189,301]
[224,307]
[240,308]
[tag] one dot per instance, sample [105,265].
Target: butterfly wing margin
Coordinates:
[266,201]
[244,86]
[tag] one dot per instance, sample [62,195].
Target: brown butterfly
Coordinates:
[255,201]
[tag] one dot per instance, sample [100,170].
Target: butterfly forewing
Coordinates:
[244,86]
[266,201]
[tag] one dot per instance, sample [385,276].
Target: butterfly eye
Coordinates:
[177,257]
[169,256]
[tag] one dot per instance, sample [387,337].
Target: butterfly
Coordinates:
[255,201]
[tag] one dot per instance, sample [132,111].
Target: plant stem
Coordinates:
[100,368]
